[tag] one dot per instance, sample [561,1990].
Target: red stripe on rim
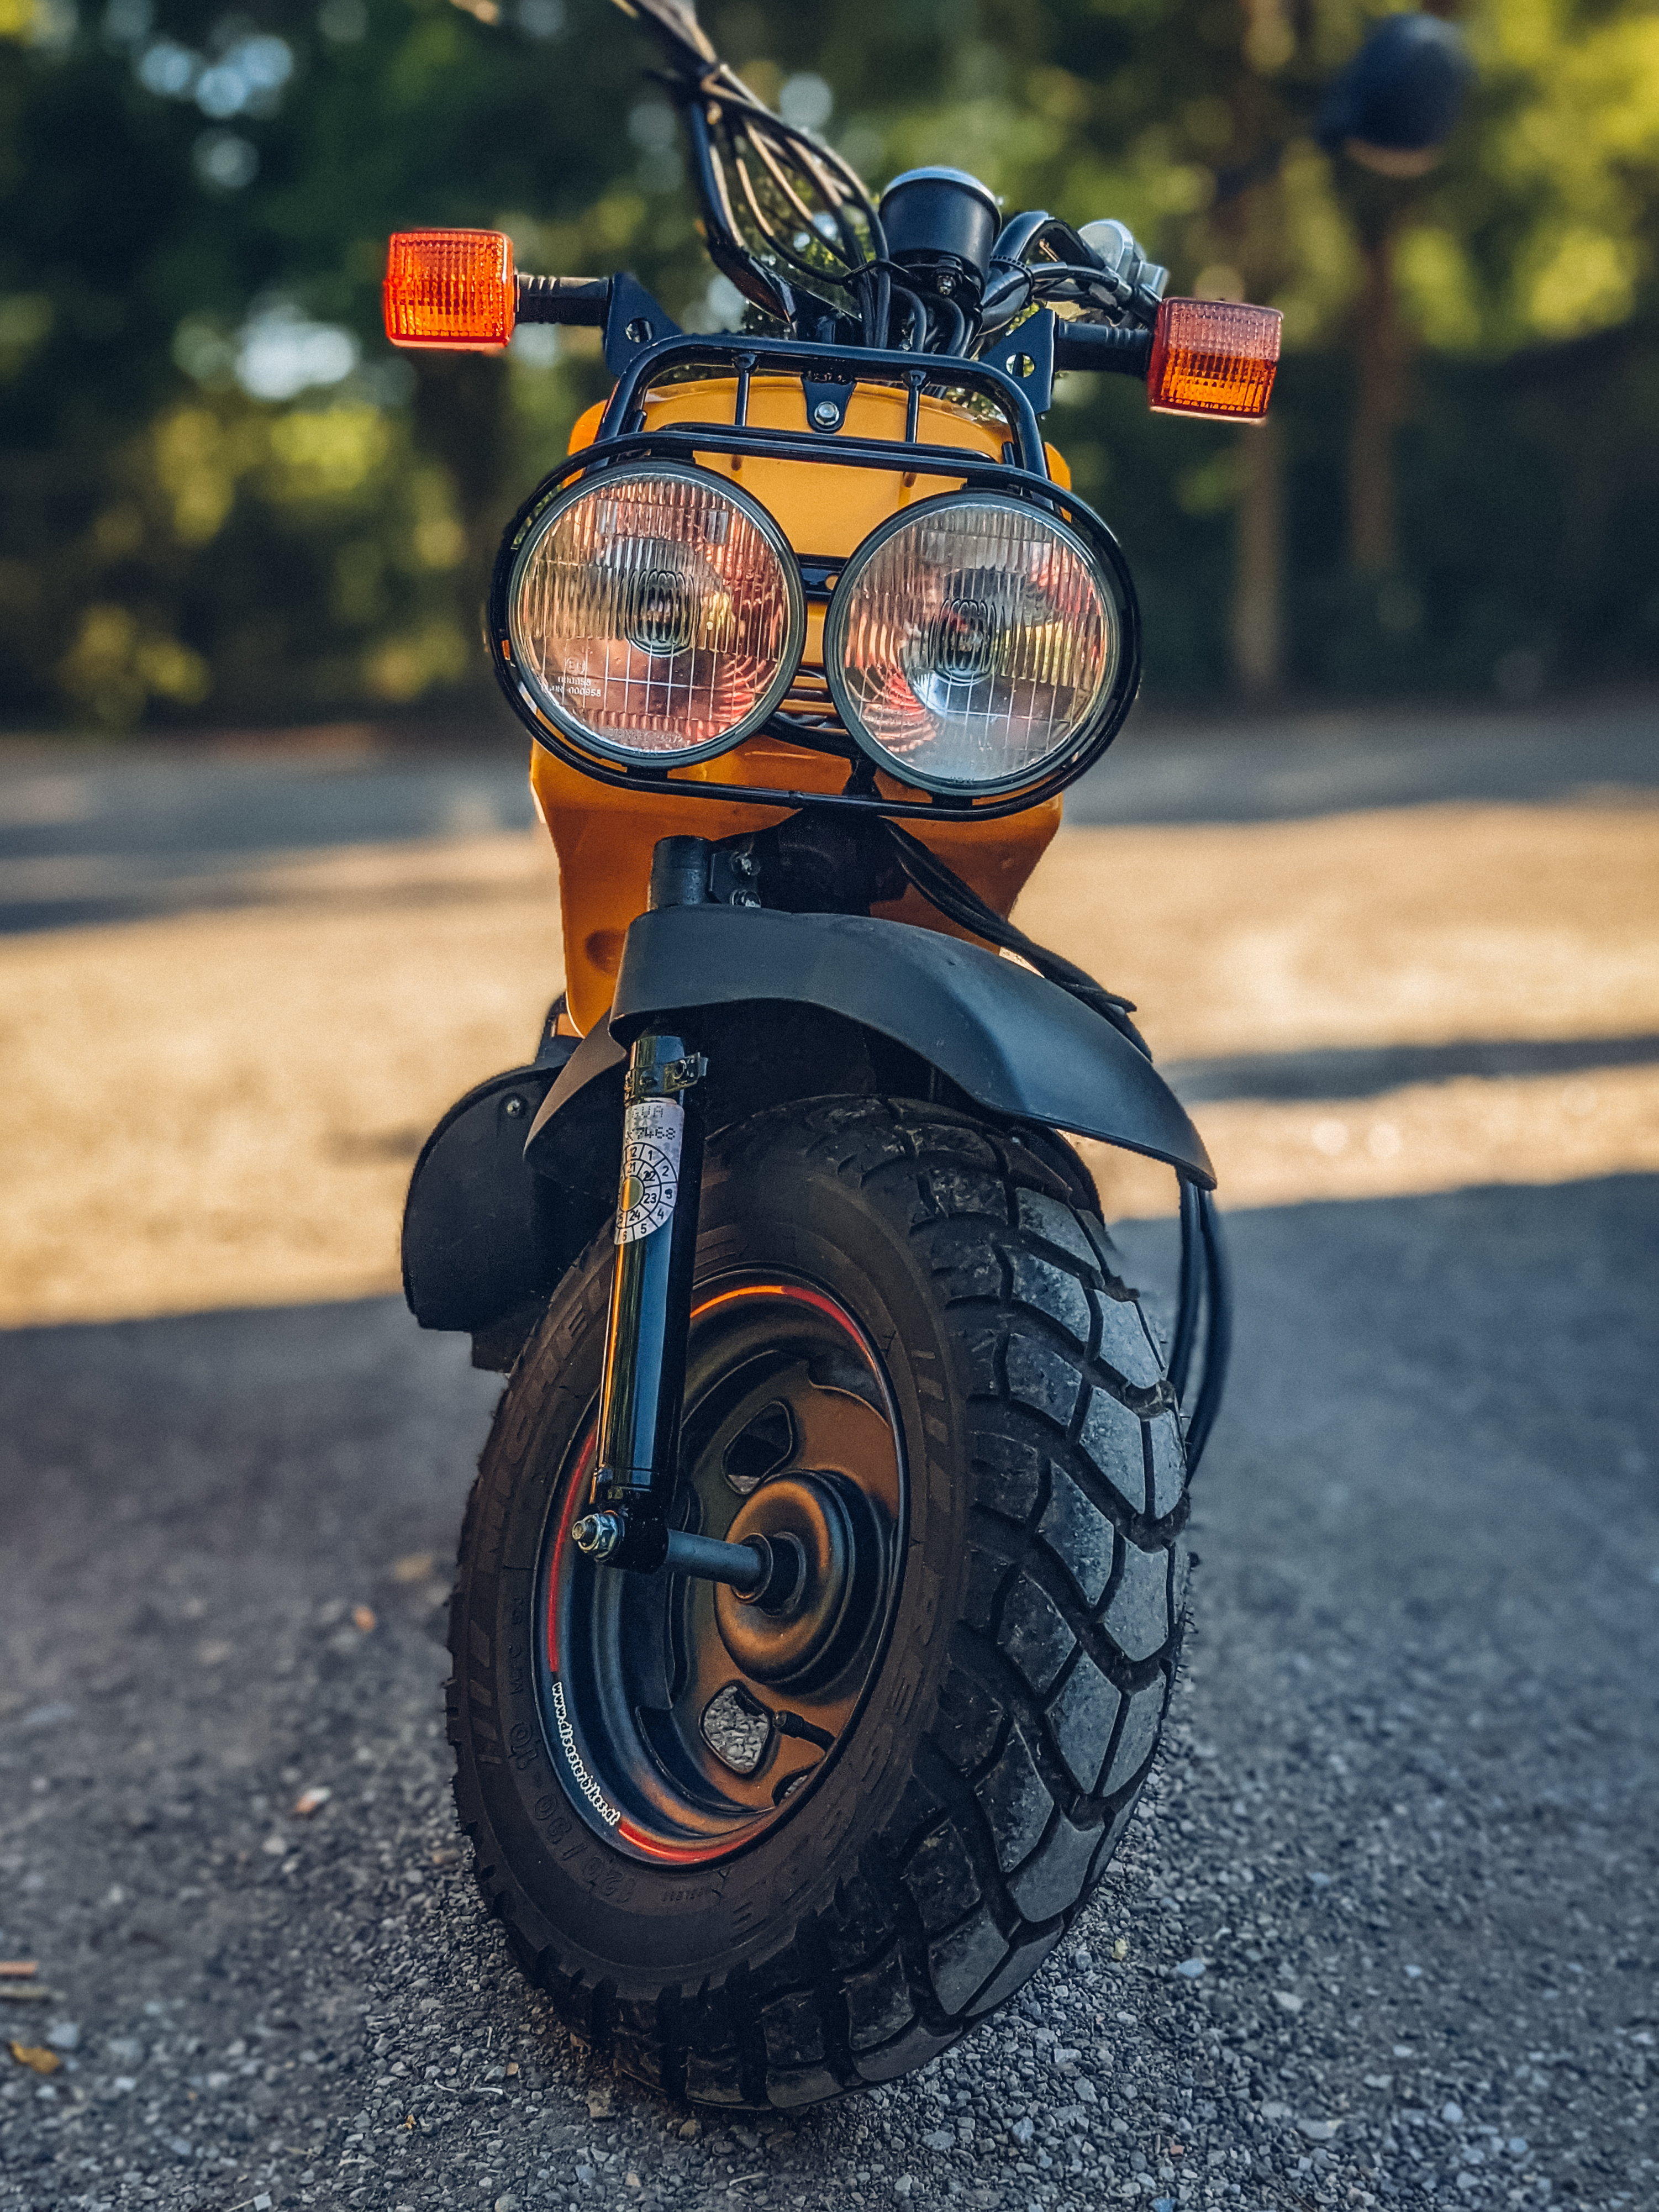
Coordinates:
[650,1846]
[818,1299]
[573,1504]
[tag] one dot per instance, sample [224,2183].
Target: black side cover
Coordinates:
[1014,1043]
[480,1238]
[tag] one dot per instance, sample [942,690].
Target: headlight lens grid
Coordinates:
[656,614]
[972,642]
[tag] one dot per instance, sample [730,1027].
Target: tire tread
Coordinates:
[993,1847]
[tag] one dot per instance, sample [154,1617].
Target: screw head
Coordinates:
[826,414]
[946,282]
[513,1107]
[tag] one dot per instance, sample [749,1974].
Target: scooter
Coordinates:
[822,1588]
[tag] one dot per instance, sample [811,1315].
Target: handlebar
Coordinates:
[1212,357]
[584,302]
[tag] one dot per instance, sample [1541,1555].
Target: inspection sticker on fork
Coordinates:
[651,1130]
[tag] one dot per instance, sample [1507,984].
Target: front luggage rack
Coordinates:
[829,369]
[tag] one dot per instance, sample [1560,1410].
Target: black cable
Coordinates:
[1047,272]
[1190,1300]
[915,315]
[944,889]
[880,285]
[724,117]
[956,339]
[1007,292]
[1218,1339]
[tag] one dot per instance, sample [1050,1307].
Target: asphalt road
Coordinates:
[96,833]
[1389,1934]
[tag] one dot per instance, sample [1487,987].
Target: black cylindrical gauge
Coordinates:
[940,219]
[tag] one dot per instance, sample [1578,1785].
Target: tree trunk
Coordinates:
[1258,577]
[460,417]
[1378,376]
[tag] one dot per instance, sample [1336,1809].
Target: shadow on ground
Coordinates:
[1407,1833]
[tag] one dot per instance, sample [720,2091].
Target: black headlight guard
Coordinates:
[1023,475]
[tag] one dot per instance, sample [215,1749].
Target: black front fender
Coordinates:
[1014,1043]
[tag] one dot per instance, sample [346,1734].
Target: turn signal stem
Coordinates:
[570,300]
[1117,349]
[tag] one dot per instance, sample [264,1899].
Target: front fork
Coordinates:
[643,1389]
[656,1239]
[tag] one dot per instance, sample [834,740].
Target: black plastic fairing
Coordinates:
[480,1234]
[790,1005]
[1010,1041]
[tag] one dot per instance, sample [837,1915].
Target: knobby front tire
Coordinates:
[821,1872]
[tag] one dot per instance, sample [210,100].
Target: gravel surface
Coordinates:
[1387,1934]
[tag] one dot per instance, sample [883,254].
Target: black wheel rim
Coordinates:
[687,1722]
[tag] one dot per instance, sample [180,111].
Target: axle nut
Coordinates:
[597,1535]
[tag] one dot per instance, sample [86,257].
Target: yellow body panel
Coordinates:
[604,836]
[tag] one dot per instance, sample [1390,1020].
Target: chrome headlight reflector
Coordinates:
[656,613]
[972,642]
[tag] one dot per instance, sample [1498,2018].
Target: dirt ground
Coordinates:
[1383,1935]
[220,1108]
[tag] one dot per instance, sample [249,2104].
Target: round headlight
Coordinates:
[971,641]
[655,613]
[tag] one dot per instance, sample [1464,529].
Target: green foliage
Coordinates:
[177,240]
[173,544]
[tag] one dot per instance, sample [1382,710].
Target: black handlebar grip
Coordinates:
[564,300]
[1121,352]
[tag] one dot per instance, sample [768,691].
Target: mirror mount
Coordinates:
[1397,102]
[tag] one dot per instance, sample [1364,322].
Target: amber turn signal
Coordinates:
[1214,358]
[453,290]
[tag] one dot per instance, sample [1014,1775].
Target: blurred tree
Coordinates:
[217,490]
[223,497]
[1540,226]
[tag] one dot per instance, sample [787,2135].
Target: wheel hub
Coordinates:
[795,1627]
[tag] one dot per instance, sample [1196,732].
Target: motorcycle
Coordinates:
[822,1588]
